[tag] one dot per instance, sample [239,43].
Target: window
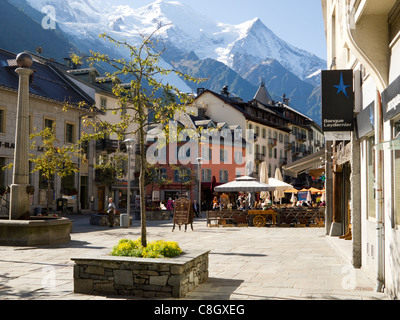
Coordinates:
[2,120]
[371,178]
[43,182]
[206,153]
[223,156]
[238,157]
[69,133]
[68,184]
[182,175]
[223,176]
[264,133]
[103,102]
[49,123]
[206,175]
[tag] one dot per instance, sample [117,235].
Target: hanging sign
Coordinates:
[337,101]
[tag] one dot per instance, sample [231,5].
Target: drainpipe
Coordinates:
[379,195]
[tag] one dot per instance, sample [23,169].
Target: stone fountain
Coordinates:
[21,228]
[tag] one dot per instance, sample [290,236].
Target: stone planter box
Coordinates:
[147,278]
[102,220]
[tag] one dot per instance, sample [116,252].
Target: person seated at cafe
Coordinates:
[306,204]
[215,203]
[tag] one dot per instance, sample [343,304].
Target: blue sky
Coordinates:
[298,22]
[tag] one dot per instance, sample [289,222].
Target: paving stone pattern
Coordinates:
[244,263]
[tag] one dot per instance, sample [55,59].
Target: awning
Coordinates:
[388,145]
[314,161]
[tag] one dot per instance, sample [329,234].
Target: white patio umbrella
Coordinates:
[309,199]
[323,197]
[293,199]
[279,193]
[264,179]
[244,184]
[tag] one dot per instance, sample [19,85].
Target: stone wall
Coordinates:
[157,215]
[147,278]
[102,220]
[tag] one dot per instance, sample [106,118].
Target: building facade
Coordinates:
[49,92]
[363,36]
[282,134]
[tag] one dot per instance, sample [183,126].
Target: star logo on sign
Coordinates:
[342,87]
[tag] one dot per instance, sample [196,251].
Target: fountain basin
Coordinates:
[35,231]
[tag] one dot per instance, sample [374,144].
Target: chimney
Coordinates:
[285,100]
[224,91]
[200,91]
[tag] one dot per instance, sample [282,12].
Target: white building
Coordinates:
[283,135]
[364,36]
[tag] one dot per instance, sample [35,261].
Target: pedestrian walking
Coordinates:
[111,211]
[196,208]
[170,207]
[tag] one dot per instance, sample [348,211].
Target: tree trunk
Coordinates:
[48,197]
[142,188]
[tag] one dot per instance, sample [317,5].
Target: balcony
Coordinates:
[259,157]
[272,142]
[288,146]
[301,137]
[295,150]
[107,145]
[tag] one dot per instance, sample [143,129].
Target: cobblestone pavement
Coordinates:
[245,263]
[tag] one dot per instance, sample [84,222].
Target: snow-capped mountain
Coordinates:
[186,29]
[242,47]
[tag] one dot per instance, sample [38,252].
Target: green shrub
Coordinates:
[154,249]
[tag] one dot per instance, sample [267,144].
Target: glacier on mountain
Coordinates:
[186,29]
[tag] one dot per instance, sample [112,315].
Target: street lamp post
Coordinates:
[199,178]
[124,218]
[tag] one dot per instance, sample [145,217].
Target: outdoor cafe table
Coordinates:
[301,215]
[275,216]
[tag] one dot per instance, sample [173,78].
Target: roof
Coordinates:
[241,107]
[47,81]
[263,95]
